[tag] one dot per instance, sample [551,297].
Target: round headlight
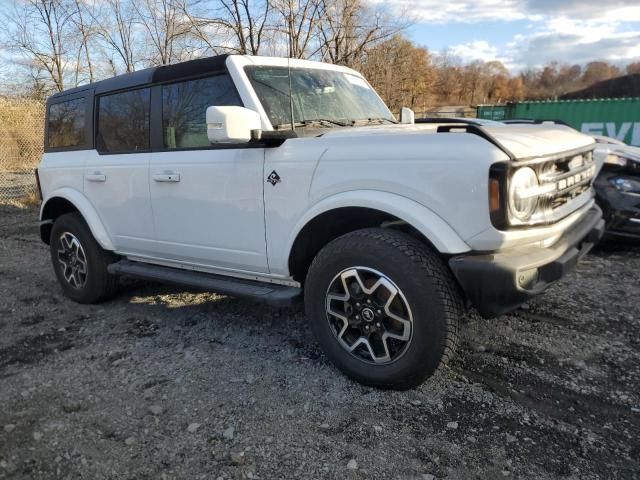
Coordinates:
[522,203]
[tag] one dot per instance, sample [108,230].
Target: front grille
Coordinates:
[565,179]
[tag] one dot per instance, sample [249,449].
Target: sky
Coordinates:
[526,33]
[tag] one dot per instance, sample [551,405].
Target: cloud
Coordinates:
[611,10]
[477,50]
[572,40]
[574,48]
[569,31]
[475,11]
[466,11]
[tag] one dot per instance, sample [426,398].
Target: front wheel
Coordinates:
[384,307]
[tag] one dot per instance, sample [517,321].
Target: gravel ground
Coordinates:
[161,383]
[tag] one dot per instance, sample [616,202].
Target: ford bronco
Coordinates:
[281,179]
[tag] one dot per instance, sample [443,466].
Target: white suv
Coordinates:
[264,177]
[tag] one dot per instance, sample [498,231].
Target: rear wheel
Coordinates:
[384,308]
[79,262]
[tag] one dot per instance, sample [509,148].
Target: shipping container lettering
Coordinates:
[627,132]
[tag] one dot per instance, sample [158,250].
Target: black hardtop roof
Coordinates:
[164,73]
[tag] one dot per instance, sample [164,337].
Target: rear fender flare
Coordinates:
[87,211]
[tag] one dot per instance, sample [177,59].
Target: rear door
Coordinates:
[207,200]
[116,174]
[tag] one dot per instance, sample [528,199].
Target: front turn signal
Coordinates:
[494,195]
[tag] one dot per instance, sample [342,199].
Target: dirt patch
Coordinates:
[162,383]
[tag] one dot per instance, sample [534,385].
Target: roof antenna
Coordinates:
[293,129]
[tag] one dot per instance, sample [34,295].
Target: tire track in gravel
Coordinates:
[33,349]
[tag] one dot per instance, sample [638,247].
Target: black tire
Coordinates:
[96,284]
[427,288]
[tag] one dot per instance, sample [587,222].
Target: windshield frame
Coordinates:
[378,107]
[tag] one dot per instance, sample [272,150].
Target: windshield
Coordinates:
[332,97]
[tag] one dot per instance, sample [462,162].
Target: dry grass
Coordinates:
[21,133]
[21,142]
[29,201]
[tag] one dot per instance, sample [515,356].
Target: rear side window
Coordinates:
[66,124]
[123,122]
[184,108]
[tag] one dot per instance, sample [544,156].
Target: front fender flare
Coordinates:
[87,211]
[443,237]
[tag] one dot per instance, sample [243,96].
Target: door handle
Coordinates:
[96,177]
[167,177]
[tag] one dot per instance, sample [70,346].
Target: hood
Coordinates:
[523,141]
[539,140]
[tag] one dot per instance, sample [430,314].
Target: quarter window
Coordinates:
[123,122]
[184,108]
[65,125]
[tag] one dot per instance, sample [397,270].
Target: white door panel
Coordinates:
[208,207]
[118,188]
[62,170]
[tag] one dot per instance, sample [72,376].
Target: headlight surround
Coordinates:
[522,206]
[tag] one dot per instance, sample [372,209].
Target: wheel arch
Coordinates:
[352,211]
[65,201]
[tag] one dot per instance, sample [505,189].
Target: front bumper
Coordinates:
[496,283]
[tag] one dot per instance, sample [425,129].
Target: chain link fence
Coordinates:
[21,139]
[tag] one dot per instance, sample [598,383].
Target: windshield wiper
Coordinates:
[376,120]
[322,122]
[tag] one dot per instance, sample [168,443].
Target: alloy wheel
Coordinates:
[73,260]
[369,315]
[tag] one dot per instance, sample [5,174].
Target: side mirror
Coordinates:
[407,116]
[232,124]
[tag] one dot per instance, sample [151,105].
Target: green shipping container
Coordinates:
[613,117]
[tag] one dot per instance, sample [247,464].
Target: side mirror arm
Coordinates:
[271,139]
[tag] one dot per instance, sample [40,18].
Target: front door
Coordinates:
[207,201]
[208,207]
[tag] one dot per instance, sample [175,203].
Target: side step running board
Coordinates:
[277,295]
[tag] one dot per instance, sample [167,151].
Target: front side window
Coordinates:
[184,108]
[66,124]
[316,94]
[123,122]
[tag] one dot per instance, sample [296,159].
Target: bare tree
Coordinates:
[115,22]
[210,33]
[85,29]
[165,26]
[298,21]
[349,27]
[237,26]
[246,20]
[41,33]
